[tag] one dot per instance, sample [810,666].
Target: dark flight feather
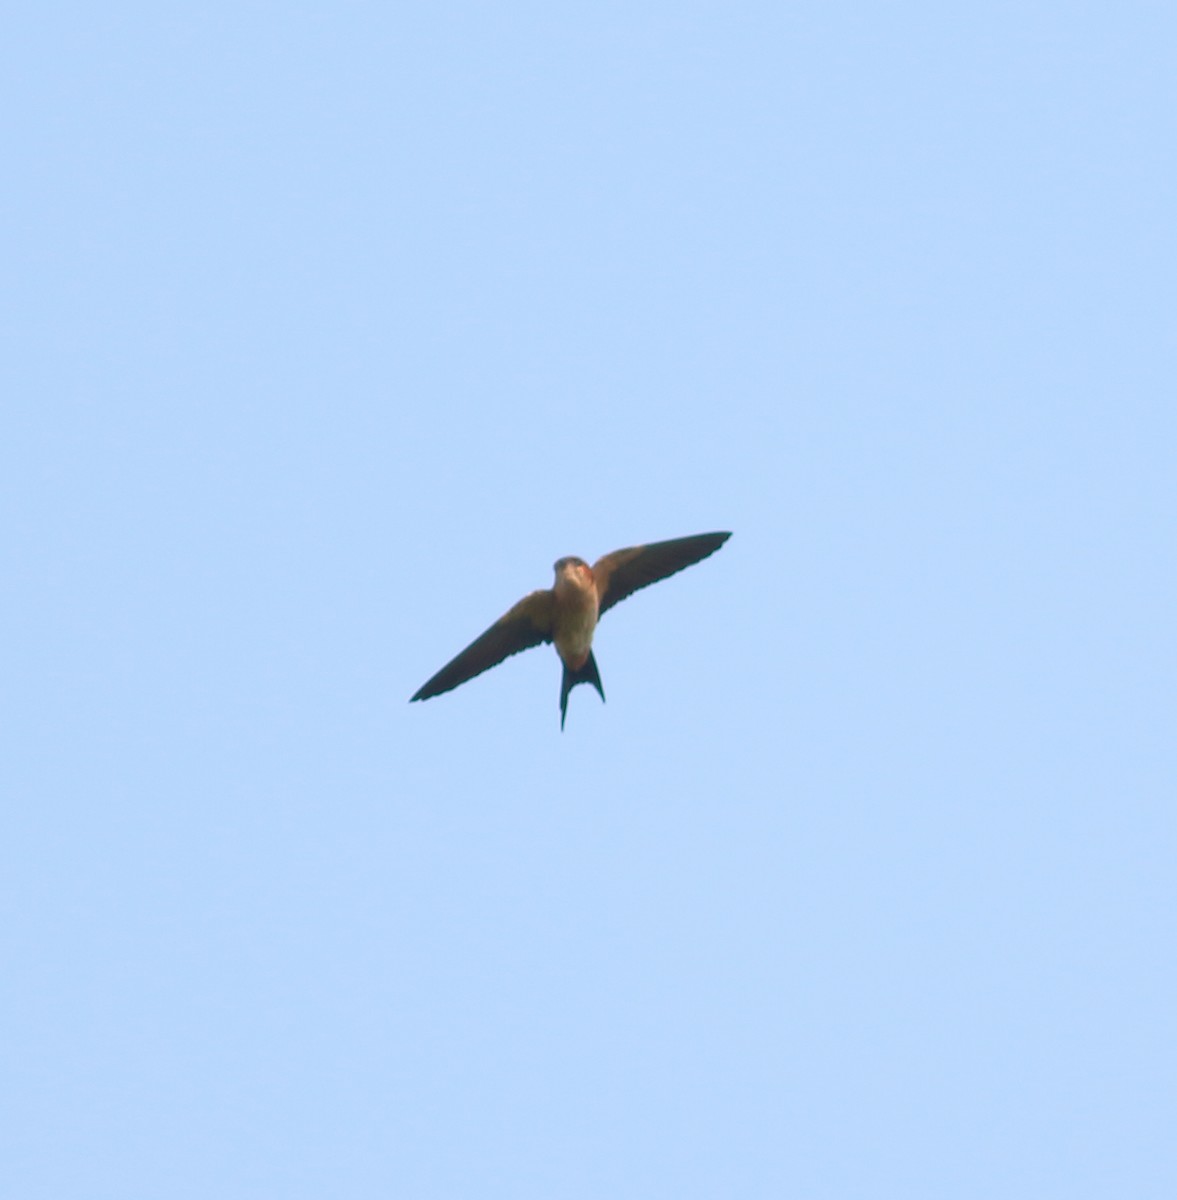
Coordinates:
[623,572]
[525,625]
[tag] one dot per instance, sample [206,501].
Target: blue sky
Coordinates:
[327,332]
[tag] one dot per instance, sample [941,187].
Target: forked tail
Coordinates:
[587,674]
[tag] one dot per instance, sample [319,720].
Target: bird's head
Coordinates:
[570,565]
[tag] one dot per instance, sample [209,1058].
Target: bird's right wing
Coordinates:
[525,625]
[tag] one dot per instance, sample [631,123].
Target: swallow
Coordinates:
[567,613]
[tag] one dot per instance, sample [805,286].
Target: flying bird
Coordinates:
[567,613]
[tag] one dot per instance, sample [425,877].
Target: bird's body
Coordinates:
[576,610]
[567,613]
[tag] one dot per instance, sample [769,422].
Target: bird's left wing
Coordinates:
[624,571]
[524,625]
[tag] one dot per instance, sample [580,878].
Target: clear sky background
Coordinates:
[327,329]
